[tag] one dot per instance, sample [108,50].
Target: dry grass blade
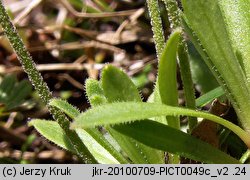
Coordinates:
[26,11]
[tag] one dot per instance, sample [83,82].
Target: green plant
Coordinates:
[13,93]
[140,132]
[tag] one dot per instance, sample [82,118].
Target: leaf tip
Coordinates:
[33,122]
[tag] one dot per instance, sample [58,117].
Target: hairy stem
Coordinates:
[159,39]
[40,86]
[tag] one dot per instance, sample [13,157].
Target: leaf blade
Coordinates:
[67,108]
[206,20]
[53,132]
[208,97]
[18,94]
[6,86]
[237,18]
[117,86]
[161,137]
[167,80]
[126,112]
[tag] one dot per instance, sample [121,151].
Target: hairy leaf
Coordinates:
[53,132]
[67,108]
[94,92]
[117,86]
[117,113]
[206,21]
[237,17]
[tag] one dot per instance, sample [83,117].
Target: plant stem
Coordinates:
[173,13]
[175,22]
[156,23]
[40,86]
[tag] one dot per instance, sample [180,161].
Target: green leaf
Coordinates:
[128,145]
[99,148]
[136,151]
[187,82]
[174,17]
[96,97]
[125,112]
[94,92]
[167,81]
[13,93]
[201,74]
[168,56]
[117,86]
[141,80]
[89,135]
[160,136]
[53,132]
[208,97]
[67,108]
[101,140]
[237,18]
[18,94]
[206,21]
[6,86]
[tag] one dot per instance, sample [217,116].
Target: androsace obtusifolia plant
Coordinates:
[141,132]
